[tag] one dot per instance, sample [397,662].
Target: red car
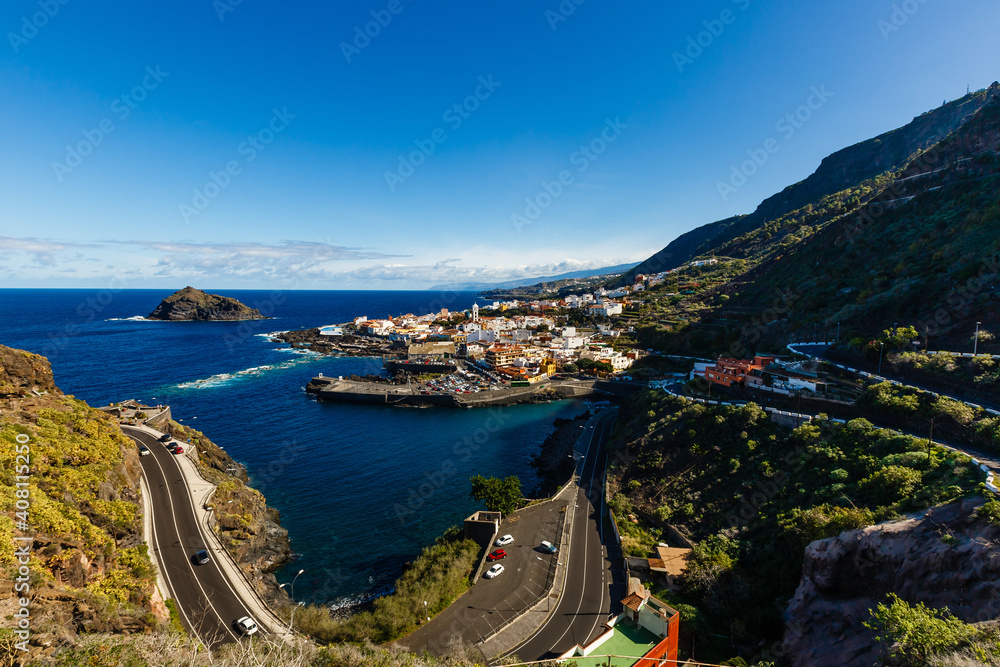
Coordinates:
[497,554]
[178,450]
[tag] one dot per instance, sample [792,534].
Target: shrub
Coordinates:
[890,485]
[990,511]
[915,633]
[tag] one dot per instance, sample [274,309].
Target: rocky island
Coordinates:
[194,304]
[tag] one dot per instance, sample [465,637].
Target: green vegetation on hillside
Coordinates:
[157,650]
[915,409]
[753,494]
[917,636]
[438,576]
[83,497]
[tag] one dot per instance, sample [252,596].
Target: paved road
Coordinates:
[493,602]
[205,597]
[593,587]
[820,351]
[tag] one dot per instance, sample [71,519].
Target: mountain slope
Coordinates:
[844,169]
[922,251]
[918,246]
[521,282]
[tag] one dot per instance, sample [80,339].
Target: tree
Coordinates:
[499,495]
[899,338]
[912,634]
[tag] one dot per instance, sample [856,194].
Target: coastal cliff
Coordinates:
[81,533]
[945,557]
[194,304]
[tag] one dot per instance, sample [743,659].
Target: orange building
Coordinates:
[728,372]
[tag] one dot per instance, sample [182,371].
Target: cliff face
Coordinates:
[946,557]
[193,304]
[89,567]
[21,372]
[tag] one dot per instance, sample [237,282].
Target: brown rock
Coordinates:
[845,576]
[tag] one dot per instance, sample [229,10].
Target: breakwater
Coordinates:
[352,391]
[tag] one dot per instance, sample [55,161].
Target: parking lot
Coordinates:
[492,602]
[460,382]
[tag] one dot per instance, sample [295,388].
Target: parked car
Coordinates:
[494,571]
[143,450]
[497,554]
[246,625]
[165,437]
[178,450]
[504,541]
[547,547]
[200,557]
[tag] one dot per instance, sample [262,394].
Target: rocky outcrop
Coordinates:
[946,557]
[193,304]
[23,372]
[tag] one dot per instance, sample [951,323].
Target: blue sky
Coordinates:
[259,144]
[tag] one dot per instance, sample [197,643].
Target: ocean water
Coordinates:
[361,489]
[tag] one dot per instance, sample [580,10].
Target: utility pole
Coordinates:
[929,441]
[975,340]
[881,347]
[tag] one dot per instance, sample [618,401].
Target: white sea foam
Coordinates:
[271,336]
[134,318]
[223,379]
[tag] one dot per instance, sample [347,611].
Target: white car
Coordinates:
[504,541]
[246,625]
[494,571]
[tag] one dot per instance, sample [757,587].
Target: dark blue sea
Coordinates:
[361,489]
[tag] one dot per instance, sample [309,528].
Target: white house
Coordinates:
[379,327]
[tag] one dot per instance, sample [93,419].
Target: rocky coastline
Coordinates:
[348,344]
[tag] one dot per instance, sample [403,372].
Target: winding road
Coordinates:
[206,600]
[594,586]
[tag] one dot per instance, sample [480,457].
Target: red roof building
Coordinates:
[728,372]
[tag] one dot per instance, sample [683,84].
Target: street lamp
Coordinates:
[975,343]
[292,619]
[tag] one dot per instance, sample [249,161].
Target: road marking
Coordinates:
[173,518]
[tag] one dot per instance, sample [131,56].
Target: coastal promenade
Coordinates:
[209,597]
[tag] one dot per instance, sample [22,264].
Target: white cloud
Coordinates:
[42,252]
